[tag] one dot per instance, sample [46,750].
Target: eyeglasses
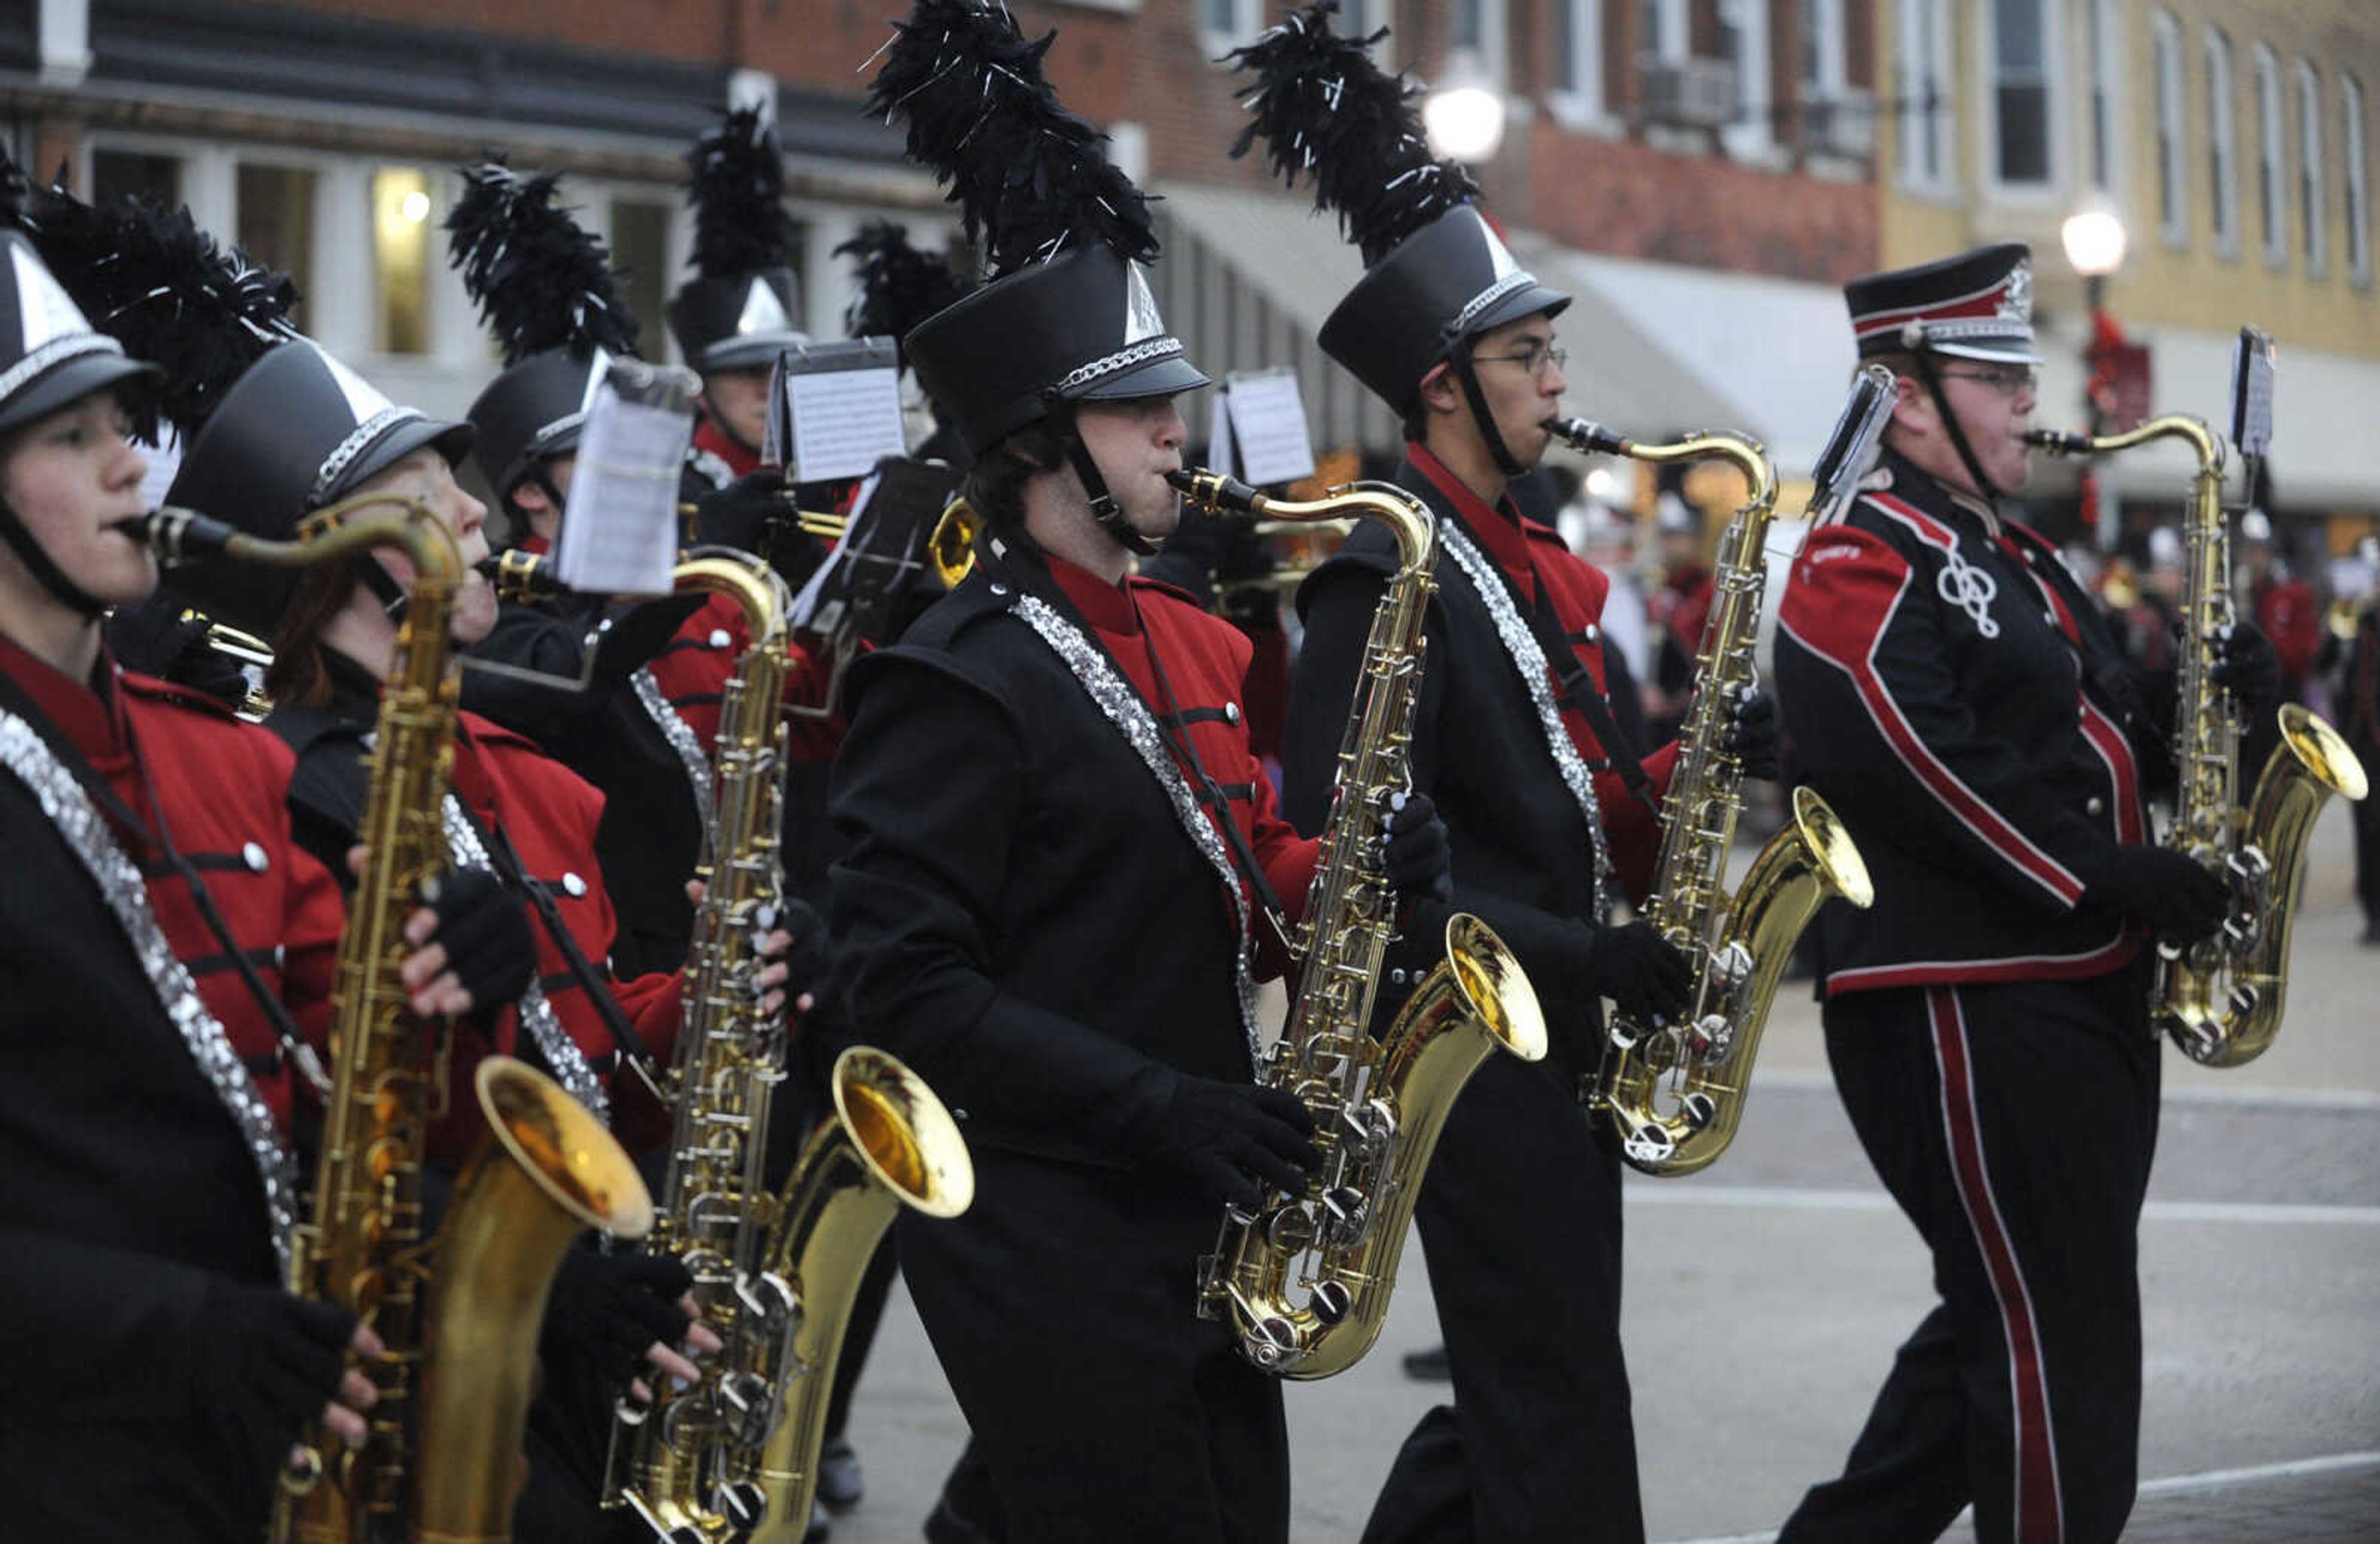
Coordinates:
[2007,380]
[1534,360]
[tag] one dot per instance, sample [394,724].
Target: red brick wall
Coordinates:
[1607,196]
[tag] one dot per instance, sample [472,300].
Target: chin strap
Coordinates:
[1913,338]
[1094,487]
[1458,359]
[37,563]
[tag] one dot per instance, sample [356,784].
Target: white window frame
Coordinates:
[1677,27]
[2271,159]
[2104,45]
[1490,63]
[1384,53]
[1248,21]
[1913,67]
[2169,119]
[1753,137]
[2313,186]
[2222,142]
[1581,106]
[2355,168]
[2045,193]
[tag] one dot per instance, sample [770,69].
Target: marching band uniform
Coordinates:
[1955,696]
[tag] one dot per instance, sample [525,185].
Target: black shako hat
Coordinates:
[737,311]
[1976,306]
[296,431]
[549,292]
[1082,327]
[1069,316]
[51,357]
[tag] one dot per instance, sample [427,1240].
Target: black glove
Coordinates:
[1641,971]
[1225,1136]
[2168,889]
[279,1354]
[486,934]
[1416,854]
[2245,663]
[737,515]
[1753,737]
[606,1310]
[807,958]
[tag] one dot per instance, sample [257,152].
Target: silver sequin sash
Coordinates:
[86,834]
[1537,676]
[537,1014]
[682,739]
[1123,708]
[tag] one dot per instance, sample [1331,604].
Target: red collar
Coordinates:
[534,544]
[708,436]
[1501,530]
[1108,607]
[91,717]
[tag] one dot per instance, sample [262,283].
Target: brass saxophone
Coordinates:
[459,1315]
[1306,1279]
[2221,999]
[1674,1093]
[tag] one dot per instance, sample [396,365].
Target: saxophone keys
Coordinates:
[1649,1144]
[1331,1301]
[743,1503]
[1698,1109]
[749,1403]
[1290,1229]
[1270,1341]
[1347,1208]
[2244,998]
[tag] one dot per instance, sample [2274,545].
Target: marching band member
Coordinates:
[165,943]
[1058,837]
[1513,736]
[1956,697]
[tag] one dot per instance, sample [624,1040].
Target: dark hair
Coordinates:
[298,678]
[995,485]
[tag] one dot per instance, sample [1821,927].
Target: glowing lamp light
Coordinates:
[1465,123]
[1601,482]
[2094,241]
[415,207]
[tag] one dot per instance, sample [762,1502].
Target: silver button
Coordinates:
[574,886]
[1000,590]
[718,638]
[1591,633]
[253,855]
[2094,806]
[2051,618]
[1397,977]
[280,956]
[604,626]
[1230,712]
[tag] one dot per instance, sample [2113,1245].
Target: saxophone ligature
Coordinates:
[1305,1280]
[1673,1094]
[2221,999]
[459,1314]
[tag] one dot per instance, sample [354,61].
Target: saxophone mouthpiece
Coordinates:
[1591,438]
[180,536]
[1215,492]
[2059,443]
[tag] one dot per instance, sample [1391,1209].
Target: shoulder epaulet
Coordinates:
[150,689]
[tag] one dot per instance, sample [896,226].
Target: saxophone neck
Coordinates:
[1741,451]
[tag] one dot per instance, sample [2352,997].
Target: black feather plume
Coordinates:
[1028,177]
[156,282]
[899,286]
[737,192]
[1324,109]
[542,282]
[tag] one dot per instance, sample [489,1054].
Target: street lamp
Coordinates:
[1465,123]
[2095,240]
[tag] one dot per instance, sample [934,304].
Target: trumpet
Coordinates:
[809,522]
[951,548]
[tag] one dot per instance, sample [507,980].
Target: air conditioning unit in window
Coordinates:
[1842,124]
[1690,93]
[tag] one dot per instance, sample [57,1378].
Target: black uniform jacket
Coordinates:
[1522,856]
[1019,912]
[128,1186]
[1957,698]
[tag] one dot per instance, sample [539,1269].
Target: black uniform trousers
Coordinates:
[2015,1124]
[1541,1405]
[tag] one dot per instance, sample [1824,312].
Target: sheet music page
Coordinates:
[619,526]
[2251,392]
[845,421]
[1269,424]
[1220,459]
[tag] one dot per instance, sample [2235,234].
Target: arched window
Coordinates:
[2222,144]
[2271,160]
[2173,191]
[2309,179]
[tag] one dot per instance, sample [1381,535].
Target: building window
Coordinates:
[276,224]
[116,174]
[1230,22]
[2105,94]
[2309,189]
[1578,56]
[2359,192]
[1743,47]
[1474,42]
[401,231]
[2222,143]
[2021,92]
[1361,18]
[2272,158]
[641,252]
[1818,49]
[1921,78]
[1661,28]
[2173,194]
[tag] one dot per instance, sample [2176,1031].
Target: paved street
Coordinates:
[1766,1299]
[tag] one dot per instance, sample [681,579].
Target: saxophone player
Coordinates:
[1954,693]
[1058,838]
[1514,737]
[167,946]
